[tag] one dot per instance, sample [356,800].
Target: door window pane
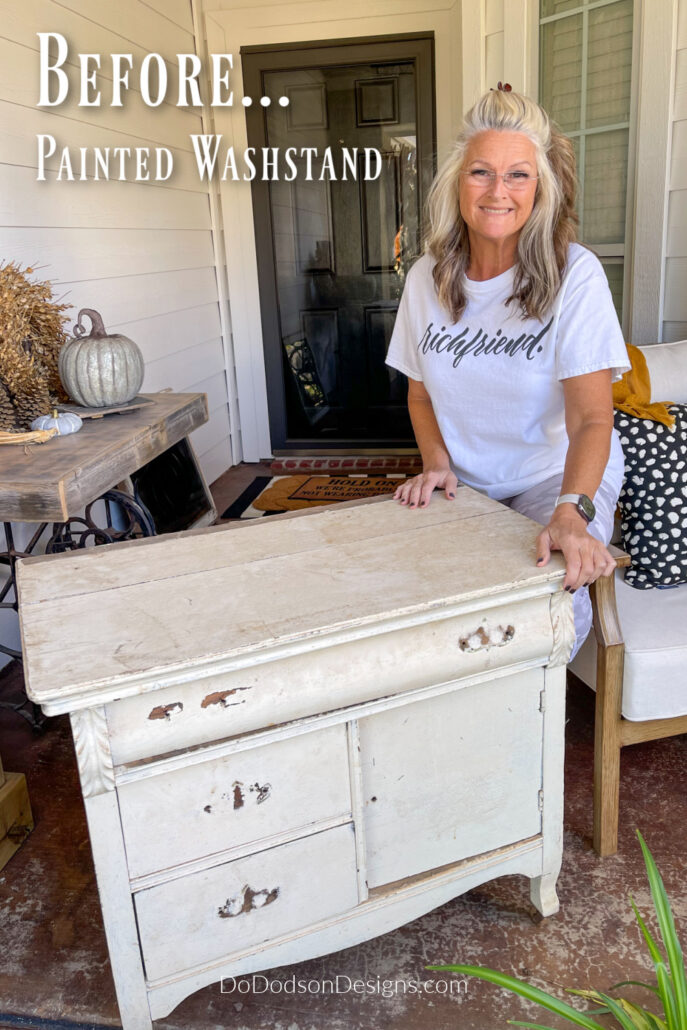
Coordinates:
[342,245]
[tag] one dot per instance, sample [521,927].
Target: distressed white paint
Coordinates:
[386,910]
[112,877]
[376,683]
[477,790]
[214,914]
[229,802]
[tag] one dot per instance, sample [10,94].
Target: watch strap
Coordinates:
[583,504]
[568,499]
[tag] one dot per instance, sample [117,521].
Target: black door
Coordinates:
[333,253]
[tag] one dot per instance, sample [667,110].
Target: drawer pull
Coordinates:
[246,900]
[165,711]
[482,639]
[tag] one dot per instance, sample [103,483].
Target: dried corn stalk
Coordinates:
[33,436]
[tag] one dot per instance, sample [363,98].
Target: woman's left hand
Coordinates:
[586,558]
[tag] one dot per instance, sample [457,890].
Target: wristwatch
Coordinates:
[584,505]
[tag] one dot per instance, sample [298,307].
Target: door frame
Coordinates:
[236,25]
[417,47]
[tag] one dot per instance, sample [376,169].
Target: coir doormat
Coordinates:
[272,495]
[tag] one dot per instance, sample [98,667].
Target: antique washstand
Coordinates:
[298,734]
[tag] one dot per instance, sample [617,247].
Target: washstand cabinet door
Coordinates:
[453,776]
[237,906]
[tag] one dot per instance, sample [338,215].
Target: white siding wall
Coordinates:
[493,43]
[140,253]
[675,302]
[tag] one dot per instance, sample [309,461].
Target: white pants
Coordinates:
[538,504]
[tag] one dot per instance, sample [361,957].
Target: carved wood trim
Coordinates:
[563,624]
[92,746]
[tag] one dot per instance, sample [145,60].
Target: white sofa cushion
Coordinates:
[654,625]
[667,364]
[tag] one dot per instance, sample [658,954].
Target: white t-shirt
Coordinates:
[494,378]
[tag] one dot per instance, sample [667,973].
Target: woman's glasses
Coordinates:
[483,177]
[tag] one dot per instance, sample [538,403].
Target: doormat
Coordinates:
[272,495]
[330,465]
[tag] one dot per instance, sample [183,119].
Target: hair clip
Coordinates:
[505,87]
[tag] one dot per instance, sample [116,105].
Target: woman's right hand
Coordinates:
[418,490]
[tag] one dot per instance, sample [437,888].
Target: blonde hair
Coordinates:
[543,242]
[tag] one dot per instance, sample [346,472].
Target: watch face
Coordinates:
[586,507]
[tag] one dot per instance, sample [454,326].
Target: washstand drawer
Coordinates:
[235,801]
[238,905]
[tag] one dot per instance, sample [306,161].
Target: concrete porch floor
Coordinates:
[54,969]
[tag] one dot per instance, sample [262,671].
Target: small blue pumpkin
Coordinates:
[65,422]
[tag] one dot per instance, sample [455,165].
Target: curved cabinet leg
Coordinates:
[543,893]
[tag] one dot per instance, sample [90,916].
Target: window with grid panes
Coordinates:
[585,66]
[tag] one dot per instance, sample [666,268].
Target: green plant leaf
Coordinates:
[656,1023]
[665,991]
[531,1026]
[593,995]
[618,1010]
[668,933]
[525,990]
[636,983]
[643,1020]
[651,944]
[665,985]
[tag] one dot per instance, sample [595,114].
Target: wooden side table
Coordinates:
[296,735]
[53,482]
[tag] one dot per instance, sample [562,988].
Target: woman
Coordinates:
[510,341]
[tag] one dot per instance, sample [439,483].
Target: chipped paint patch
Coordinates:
[219,697]
[482,639]
[239,790]
[263,792]
[165,711]
[246,900]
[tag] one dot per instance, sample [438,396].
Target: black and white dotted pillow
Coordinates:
[653,500]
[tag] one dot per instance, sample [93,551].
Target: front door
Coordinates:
[333,253]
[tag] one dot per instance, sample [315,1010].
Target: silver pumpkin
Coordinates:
[100,370]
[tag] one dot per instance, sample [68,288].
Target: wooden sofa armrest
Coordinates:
[604,609]
[610,658]
[622,560]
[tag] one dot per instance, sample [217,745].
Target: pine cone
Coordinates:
[8,416]
[32,400]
